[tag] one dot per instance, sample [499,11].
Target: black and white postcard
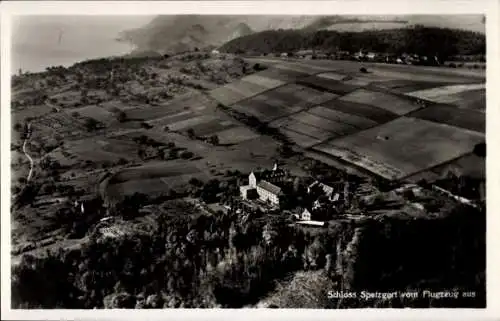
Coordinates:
[165,157]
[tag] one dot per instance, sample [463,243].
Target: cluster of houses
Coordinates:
[264,189]
[363,55]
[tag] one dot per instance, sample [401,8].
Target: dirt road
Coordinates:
[32,163]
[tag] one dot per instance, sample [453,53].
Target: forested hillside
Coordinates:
[419,40]
[200,261]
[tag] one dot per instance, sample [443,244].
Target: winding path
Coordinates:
[32,163]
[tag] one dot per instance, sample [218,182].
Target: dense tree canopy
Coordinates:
[419,40]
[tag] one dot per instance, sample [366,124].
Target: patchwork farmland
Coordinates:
[402,147]
[326,111]
[373,122]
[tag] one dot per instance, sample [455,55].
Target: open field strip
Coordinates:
[332,126]
[152,112]
[226,96]
[263,81]
[182,180]
[423,73]
[332,76]
[295,66]
[34,111]
[144,186]
[472,99]
[402,147]
[441,94]
[293,94]
[463,118]
[172,118]
[212,126]
[260,109]
[96,112]
[284,75]
[288,89]
[357,81]
[307,129]
[363,79]
[302,140]
[280,122]
[101,150]
[236,135]
[117,104]
[187,123]
[246,89]
[470,165]
[392,103]
[376,114]
[154,170]
[281,102]
[335,115]
[405,86]
[395,71]
[335,87]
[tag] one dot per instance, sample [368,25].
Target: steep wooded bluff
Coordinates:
[201,261]
[418,39]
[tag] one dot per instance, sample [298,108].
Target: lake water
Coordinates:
[39,42]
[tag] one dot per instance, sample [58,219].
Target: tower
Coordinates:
[252,180]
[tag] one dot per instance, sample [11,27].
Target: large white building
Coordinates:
[264,189]
[269,192]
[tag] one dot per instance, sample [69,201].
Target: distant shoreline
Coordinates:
[66,61]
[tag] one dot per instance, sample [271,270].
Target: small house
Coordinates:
[305,215]
[309,214]
[370,56]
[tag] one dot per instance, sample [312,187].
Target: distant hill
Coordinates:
[186,32]
[418,39]
[241,30]
[166,34]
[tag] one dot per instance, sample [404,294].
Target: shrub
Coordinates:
[191,133]
[18,127]
[258,67]
[452,65]
[186,155]
[91,124]
[121,116]
[363,70]
[146,125]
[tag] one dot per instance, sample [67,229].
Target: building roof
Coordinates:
[327,189]
[269,187]
[315,223]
